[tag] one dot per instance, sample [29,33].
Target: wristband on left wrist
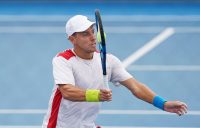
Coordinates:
[159,102]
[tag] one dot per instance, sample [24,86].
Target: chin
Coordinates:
[92,50]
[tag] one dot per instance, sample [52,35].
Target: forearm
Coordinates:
[144,93]
[140,90]
[72,93]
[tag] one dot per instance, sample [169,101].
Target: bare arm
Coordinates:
[73,93]
[140,90]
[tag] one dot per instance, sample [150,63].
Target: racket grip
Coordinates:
[105,81]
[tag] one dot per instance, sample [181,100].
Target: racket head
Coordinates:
[102,44]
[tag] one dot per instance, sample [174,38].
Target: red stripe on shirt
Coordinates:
[54,110]
[66,54]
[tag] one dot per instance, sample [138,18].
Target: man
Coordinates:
[79,89]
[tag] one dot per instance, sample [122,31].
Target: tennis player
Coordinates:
[78,91]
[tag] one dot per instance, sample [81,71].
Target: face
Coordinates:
[85,41]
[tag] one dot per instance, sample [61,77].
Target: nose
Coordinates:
[93,36]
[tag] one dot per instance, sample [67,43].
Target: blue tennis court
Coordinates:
[158,42]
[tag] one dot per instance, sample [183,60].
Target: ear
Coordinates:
[72,39]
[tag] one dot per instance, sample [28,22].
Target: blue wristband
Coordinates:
[159,102]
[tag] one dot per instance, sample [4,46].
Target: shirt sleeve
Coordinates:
[118,72]
[62,71]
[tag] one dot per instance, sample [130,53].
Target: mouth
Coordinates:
[93,44]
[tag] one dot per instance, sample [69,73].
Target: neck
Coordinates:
[83,54]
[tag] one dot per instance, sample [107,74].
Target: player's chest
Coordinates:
[88,74]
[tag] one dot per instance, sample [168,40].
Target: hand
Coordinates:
[177,107]
[105,95]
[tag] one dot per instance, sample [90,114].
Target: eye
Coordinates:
[93,31]
[85,33]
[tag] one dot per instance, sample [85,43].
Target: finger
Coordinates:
[179,103]
[182,104]
[105,98]
[102,97]
[106,91]
[109,99]
[109,94]
[105,95]
[103,90]
[185,105]
[184,109]
[179,113]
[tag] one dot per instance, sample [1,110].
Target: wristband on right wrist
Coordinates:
[159,102]
[92,95]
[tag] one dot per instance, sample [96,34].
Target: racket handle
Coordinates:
[105,81]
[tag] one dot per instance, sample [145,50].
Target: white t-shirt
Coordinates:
[71,69]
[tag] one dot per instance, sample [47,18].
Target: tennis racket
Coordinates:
[102,47]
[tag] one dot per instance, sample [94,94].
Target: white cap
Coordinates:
[78,23]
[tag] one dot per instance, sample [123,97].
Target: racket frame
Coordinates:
[102,47]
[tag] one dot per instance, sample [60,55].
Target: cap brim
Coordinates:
[85,27]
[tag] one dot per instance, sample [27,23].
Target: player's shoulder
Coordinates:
[67,54]
[112,59]
[111,56]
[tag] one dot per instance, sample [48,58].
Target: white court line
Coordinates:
[7,126]
[164,68]
[1,126]
[148,46]
[22,126]
[103,112]
[143,112]
[143,127]
[106,18]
